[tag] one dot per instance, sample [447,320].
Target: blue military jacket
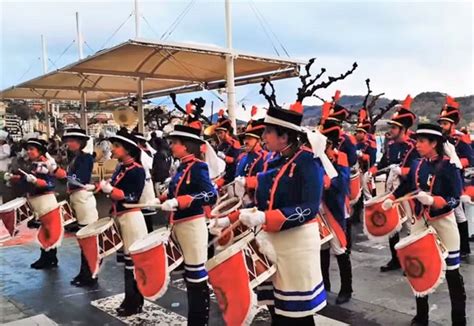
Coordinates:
[193,189]
[46,182]
[231,149]
[399,152]
[335,196]
[290,190]
[438,177]
[348,146]
[80,169]
[250,164]
[128,181]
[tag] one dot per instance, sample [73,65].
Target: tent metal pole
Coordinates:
[230,66]
[141,116]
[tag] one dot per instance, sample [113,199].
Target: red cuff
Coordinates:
[162,198]
[439,202]
[469,191]
[326,181]
[117,194]
[464,162]
[41,183]
[60,173]
[234,216]
[229,159]
[373,170]
[251,182]
[405,171]
[365,157]
[207,211]
[220,182]
[274,220]
[15,178]
[184,201]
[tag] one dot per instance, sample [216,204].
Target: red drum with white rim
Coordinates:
[99,240]
[155,257]
[14,213]
[380,223]
[67,213]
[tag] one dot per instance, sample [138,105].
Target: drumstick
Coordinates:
[23,172]
[75,182]
[410,195]
[142,205]
[224,233]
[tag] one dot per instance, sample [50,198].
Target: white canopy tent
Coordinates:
[149,69]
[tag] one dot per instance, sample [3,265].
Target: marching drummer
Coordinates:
[79,173]
[39,186]
[448,119]
[288,195]
[127,186]
[189,191]
[148,194]
[437,178]
[400,153]
[228,148]
[335,194]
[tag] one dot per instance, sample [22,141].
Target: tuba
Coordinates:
[125,116]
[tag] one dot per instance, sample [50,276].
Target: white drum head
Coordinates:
[414,237]
[226,207]
[12,204]
[151,240]
[95,228]
[229,252]
[376,199]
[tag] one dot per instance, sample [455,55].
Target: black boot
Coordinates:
[280,320]
[465,249]
[422,310]
[325,262]
[133,302]
[148,219]
[457,293]
[394,263]
[84,278]
[349,234]
[198,303]
[357,210]
[345,272]
[47,260]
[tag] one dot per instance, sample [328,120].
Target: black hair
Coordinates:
[291,134]
[133,151]
[192,146]
[439,143]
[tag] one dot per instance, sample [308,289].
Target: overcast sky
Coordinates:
[403,47]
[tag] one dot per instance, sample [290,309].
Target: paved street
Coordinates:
[30,297]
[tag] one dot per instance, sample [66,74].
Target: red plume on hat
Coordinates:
[253,112]
[221,113]
[451,102]
[407,102]
[297,107]
[190,108]
[362,115]
[337,96]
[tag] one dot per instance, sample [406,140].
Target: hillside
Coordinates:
[426,105]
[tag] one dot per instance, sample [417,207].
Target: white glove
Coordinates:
[466,199]
[7,176]
[251,217]
[240,186]
[52,166]
[397,170]
[359,153]
[31,178]
[89,187]
[220,223]
[42,169]
[246,200]
[221,155]
[106,187]
[425,198]
[387,204]
[154,201]
[169,205]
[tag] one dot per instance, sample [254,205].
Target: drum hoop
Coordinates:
[355,175]
[215,211]
[329,237]
[229,251]
[259,279]
[415,237]
[159,239]
[376,199]
[18,202]
[112,250]
[92,230]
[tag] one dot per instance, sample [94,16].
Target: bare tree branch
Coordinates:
[271,99]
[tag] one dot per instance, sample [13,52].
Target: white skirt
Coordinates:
[84,204]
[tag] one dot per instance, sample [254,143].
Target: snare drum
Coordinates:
[355,187]
[14,213]
[259,267]
[155,257]
[67,213]
[224,208]
[422,256]
[99,240]
[379,223]
[325,232]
